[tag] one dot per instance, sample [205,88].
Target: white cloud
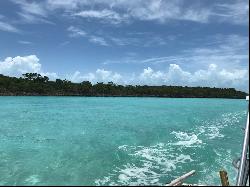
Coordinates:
[199,15]
[147,40]
[117,11]
[176,75]
[19,65]
[32,7]
[8,27]
[100,75]
[236,12]
[164,11]
[65,4]
[150,10]
[222,61]
[123,11]
[230,50]
[98,40]
[75,32]
[34,19]
[226,50]
[150,77]
[33,11]
[105,14]
[211,77]
[136,41]
[24,42]
[103,75]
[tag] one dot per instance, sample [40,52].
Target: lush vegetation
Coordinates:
[35,84]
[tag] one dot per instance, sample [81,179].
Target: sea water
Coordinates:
[118,141]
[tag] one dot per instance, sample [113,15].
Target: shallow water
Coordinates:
[117,141]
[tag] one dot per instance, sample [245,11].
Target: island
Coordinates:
[34,84]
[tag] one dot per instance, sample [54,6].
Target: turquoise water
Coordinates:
[117,141]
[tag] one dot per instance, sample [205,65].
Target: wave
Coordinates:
[153,163]
[214,129]
[185,139]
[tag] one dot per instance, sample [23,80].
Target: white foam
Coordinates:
[151,163]
[138,175]
[186,140]
[100,182]
[154,162]
[33,179]
[123,177]
[214,129]
[214,132]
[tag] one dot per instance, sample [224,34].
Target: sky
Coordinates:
[138,42]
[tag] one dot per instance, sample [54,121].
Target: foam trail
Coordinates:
[154,163]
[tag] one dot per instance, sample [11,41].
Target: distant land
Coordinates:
[33,84]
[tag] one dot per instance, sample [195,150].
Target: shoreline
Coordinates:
[105,96]
[35,85]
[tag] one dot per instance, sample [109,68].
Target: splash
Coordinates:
[187,140]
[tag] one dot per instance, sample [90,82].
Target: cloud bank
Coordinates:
[213,76]
[18,65]
[118,12]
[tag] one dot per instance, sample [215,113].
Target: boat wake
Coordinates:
[152,165]
[186,140]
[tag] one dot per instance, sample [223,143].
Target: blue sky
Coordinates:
[154,42]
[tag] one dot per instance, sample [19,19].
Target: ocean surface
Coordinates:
[118,141]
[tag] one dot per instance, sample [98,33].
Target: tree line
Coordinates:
[32,84]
